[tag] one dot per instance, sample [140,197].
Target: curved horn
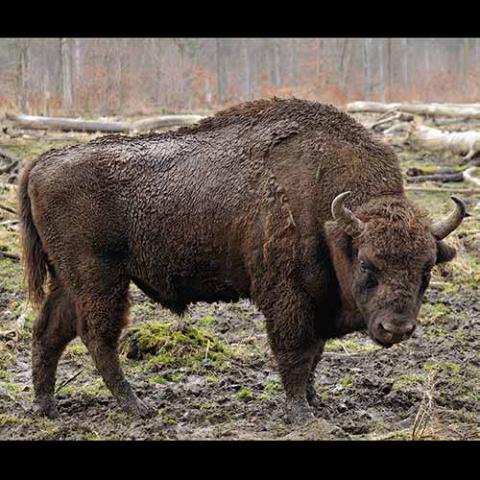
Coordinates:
[345,217]
[444,227]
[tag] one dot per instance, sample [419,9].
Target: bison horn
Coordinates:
[345,217]
[446,226]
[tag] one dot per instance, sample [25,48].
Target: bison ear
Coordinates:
[445,252]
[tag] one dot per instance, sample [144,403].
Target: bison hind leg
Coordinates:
[53,329]
[102,317]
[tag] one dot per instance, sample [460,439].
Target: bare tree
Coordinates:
[405,72]
[248,68]
[23,47]
[66,62]
[367,68]
[221,69]
[381,69]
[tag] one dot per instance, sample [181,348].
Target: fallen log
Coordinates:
[437,177]
[433,139]
[466,111]
[403,117]
[469,177]
[164,121]
[80,125]
[67,124]
[460,191]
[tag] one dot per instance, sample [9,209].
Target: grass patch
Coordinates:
[245,394]
[408,381]
[349,345]
[433,312]
[163,346]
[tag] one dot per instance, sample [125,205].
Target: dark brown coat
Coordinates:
[234,207]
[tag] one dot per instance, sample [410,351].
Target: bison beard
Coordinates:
[239,205]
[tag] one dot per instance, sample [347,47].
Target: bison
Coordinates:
[290,203]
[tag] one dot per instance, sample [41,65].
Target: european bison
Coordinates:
[288,202]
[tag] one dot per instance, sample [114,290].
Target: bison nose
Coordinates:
[409,328]
[397,331]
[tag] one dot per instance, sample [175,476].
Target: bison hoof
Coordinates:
[314,401]
[299,413]
[139,409]
[46,408]
[312,398]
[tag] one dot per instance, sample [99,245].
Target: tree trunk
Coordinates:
[23,69]
[405,72]
[367,69]
[466,58]
[247,69]
[221,73]
[389,66]
[381,67]
[76,72]
[67,87]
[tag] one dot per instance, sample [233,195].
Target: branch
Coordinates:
[8,209]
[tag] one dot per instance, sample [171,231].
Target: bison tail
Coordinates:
[34,258]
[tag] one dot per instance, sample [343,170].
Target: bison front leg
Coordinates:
[294,345]
[312,397]
[294,367]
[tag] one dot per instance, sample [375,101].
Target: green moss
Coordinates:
[350,345]
[6,359]
[450,368]
[245,394]
[11,274]
[167,418]
[455,379]
[346,381]
[161,345]
[5,376]
[76,349]
[94,388]
[433,312]
[273,387]
[213,379]
[207,321]
[408,381]
[7,419]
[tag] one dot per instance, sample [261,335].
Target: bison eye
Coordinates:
[370,281]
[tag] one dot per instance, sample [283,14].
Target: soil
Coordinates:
[211,375]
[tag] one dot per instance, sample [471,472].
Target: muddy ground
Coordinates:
[214,376]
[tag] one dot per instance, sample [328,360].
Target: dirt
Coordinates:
[211,375]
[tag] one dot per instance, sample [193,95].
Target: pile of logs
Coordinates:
[406,123]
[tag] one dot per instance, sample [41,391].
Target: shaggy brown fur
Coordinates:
[233,207]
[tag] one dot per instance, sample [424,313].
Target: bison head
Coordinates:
[383,255]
